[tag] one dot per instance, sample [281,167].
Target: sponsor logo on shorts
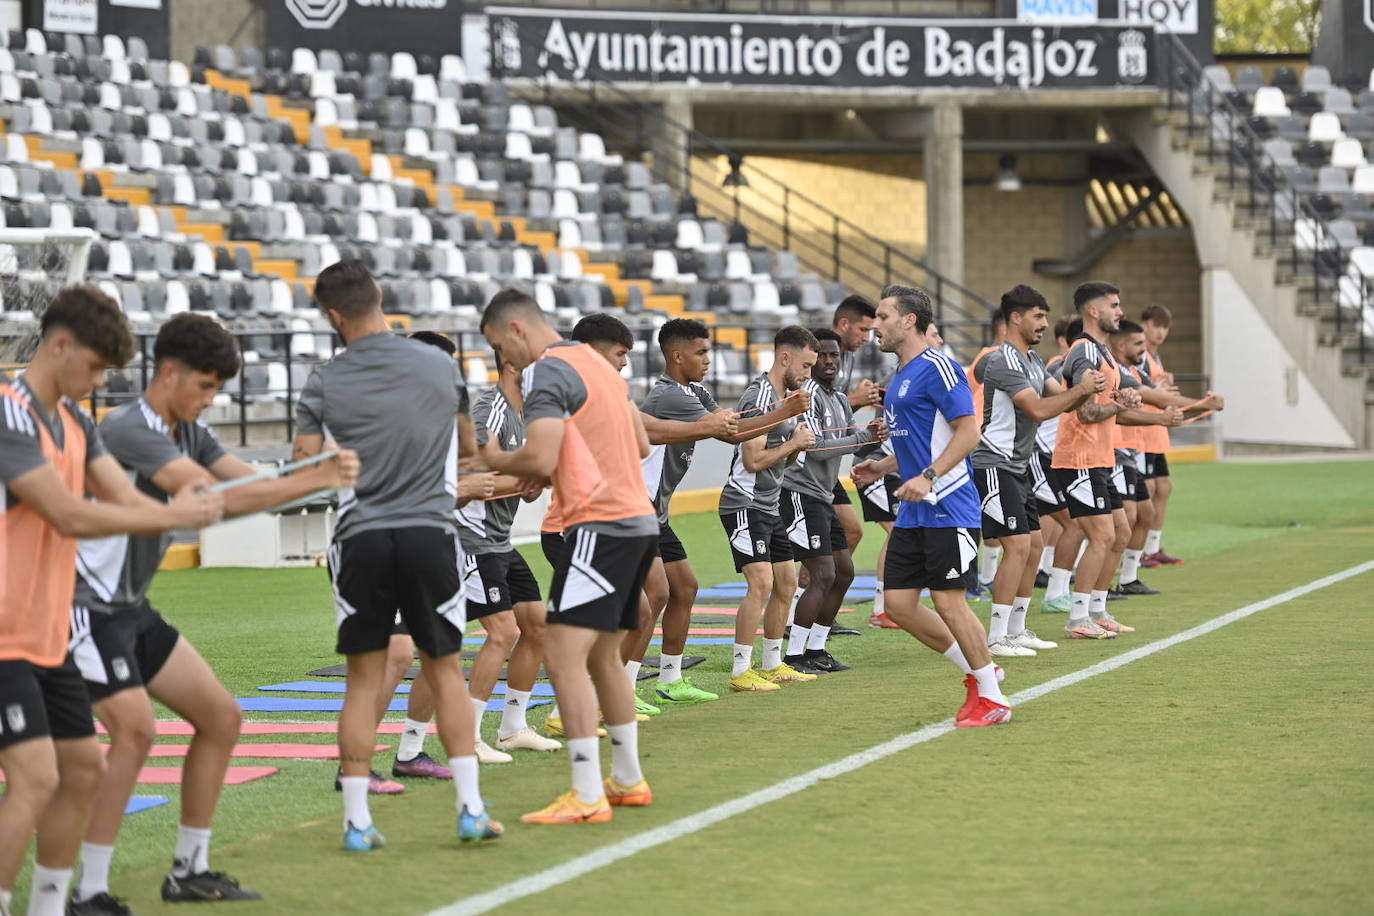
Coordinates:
[952,574]
[120,667]
[494,594]
[14,715]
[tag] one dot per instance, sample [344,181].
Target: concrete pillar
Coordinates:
[666,138]
[944,174]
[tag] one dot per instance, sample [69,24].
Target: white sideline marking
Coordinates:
[606,855]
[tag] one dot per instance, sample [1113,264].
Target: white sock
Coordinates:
[956,655]
[772,653]
[412,740]
[478,707]
[743,656]
[513,714]
[796,640]
[669,669]
[1059,583]
[1082,549]
[819,635]
[1098,607]
[1047,560]
[792,611]
[586,769]
[95,870]
[48,892]
[878,598]
[465,782]
[192,855]
[5,898]
[1130,565]
[632,671]
[1016,623]
[988,562]
[987,683]
[625,753]
[1152,540]
[1082,601]
[997,624]
[356,813]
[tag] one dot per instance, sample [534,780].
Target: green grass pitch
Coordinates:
[1227,774]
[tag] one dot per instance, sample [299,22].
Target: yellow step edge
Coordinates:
[277,267]
[210,232]
[138,197]
[181,556]
[1192,454]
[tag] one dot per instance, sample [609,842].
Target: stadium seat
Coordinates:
[1325,127]
[1270,103]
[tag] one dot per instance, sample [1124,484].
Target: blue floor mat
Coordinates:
[143,802]
[289,704]
[337,687]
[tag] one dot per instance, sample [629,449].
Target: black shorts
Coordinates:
[411,570]
[756,537]
[598,585]
[1139,491]
[117,651]
[1008,507]
[1088,491]
[670,547]
[553,545]
[1156,465]
[1049,496]
[37,702]
[812,525]
[497,582]
[840,497]
[879,499]
[939,559]
[1129,482]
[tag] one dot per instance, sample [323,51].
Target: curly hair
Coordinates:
[94,319]
[200,343]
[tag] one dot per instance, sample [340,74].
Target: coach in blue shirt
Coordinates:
[934,544]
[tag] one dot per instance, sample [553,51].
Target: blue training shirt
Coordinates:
[922,398]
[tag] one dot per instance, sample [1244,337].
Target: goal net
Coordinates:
[34,265]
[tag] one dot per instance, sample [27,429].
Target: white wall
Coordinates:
[11,14]
[1250,366]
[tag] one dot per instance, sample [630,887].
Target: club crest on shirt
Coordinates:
[906,384]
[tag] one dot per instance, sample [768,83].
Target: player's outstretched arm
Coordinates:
[757,456]
[1057,399]
[794,405]
[338,472]
[719,424]
[538,456]
[1169,416]
[119,509]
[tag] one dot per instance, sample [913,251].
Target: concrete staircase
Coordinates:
[1231,241]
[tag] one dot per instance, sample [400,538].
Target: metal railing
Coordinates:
[775,214]
[741,352]
[1288,221]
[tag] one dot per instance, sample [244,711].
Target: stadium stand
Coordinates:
[226,185]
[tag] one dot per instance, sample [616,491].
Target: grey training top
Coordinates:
[745,489]
[113,573]
[484,525]
[395,402]
[667,464]
[21,443]
[1047,433]
[1008,432]
[552,388]
[831,419]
